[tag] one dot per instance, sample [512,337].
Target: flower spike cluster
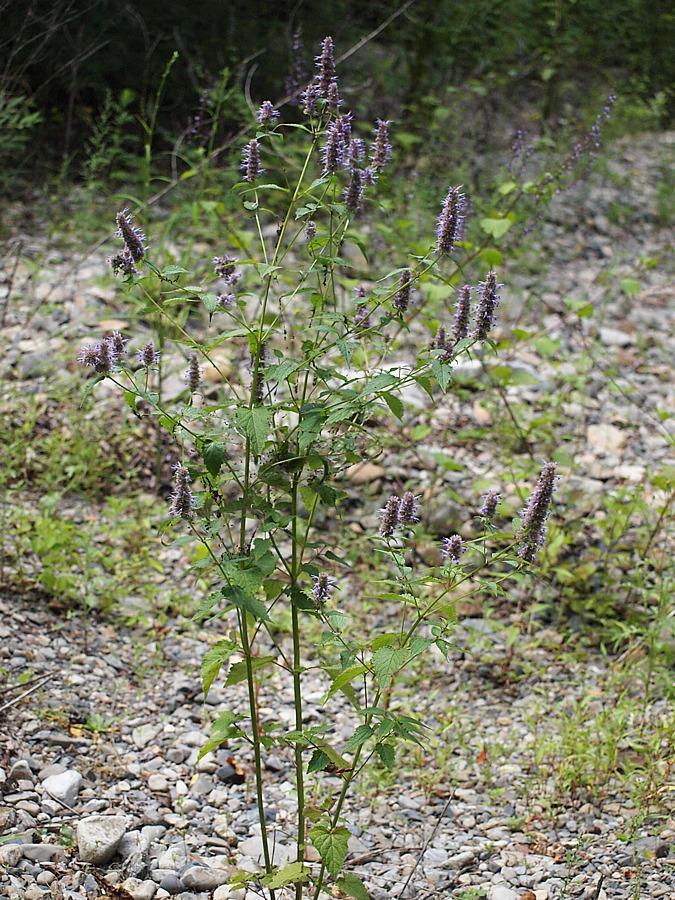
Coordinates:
[450,220]
[105,355]
[182,501]
[397,512]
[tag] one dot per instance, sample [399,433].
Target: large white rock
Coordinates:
[65,786]
[98,837]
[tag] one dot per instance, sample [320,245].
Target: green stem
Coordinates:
[297,680]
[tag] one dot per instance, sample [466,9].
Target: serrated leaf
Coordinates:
[130,400]
[172,271]
[318,762]
[345,678]
[387,754]
[213,454]
[352,885]
[206,604]
[244,599]
[360,736]
[331,846]
[239,671]
[222,730]
[213,661]
[441,372]
[254,424]
[210,301]
[387,661]
[296,873]
[394,403]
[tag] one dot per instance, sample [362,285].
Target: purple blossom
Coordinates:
[401,301]
[310,100]
[182,502]
[389,516]
[408,509]
[118,343]
[357,150]
[450,220]
[223,265]
[452,548]
[122,262]
[102,356]
[193,375]
[326,65]
[133,237]
[323,588]
[488,301]
[297,74]
[333,152]
[267,114]
[362,317]
[490,503]
[310,230]
[535,514]
[225,300]
[380,151]
[147,355]
[333,101]
[460,327]
[353,193]
[441,342]
[250,161]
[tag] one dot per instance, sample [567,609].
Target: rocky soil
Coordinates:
[477,814]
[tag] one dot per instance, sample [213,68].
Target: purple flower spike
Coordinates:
[133,237]
[452,548]
[450,220]
[118,343]
[362,317]
[323,588]
[401,301]
[460,327]
[250,161]
[535,514]
[487,303]
[101,357]
[310,230]
[333,150]
[333,101]
[490,503]
[193,375]
[182,501]
[310,100]
[408,509]
[353,193]
[326,65]
[389,516]
[381,148]
[147,355]
[267,114]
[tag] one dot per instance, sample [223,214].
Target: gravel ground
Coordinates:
[481,809]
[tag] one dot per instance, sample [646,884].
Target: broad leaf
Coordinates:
[213,660]
[296,873]
[239,671]
[387,754]
[352,885]
[496,228]
[360,736]
[331,845]
[254,424]
[213,453]
[344,678]
[222,730]
[394,403]
[386,661]
[318,762]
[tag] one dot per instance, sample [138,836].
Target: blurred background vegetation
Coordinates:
[79,78]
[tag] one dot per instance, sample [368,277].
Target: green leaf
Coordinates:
[222,730]
[239,671]
[207,605]
[130,400]
[213,454]
[210,301]
[360,736]
[496,228]
[387,754]
[254,424]
[441,372]
[212,662]
[394,403]
[245,600]
[318,762]
[352,885]
[386,661]
[172,271]
[331,845]
[344,678]
[296,873]
[630,286]
[419,432]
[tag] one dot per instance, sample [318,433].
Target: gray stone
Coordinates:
[172,883]
[501,892]
[98,837]
[20,771]
[202,878]
[10,855]
[64,787]
[43,852]
[174,858]
[140,890]
[142,735]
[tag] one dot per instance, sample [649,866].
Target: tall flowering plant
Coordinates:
[259,460]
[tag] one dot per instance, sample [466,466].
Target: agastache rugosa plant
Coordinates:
[260,459]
